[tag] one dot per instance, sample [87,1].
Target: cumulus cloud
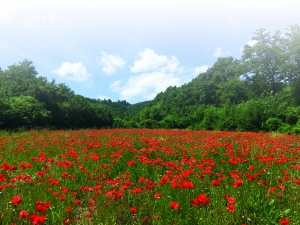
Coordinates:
[147,85]
[219,52]
[154,73]
[200,69]
[116,86]
[111,62]
[72,71]
[150,61]
[251,43]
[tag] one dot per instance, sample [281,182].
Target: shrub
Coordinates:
[273,124]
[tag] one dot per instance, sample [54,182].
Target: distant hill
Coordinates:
[259,92]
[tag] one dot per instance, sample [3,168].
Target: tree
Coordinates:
[24,111]
[263,62]
[291,67]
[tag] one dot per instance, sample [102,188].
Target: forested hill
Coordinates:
[29,101]
[258,92]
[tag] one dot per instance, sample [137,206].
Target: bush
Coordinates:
[273,124]
[285,128]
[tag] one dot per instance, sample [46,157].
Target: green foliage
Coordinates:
[28,101]
[273,124]
[24,111]
[259,92]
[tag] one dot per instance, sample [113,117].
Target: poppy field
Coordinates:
[143,176]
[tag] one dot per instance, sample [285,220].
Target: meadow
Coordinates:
[143,176]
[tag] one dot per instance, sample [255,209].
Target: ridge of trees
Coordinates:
[28,101]
[258,92]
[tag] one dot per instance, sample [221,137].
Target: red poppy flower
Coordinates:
[237,183]
[133,209]
[41,173]
[16,200]
[200,200]
[131,162]
[284,221]
[174,205]
[215,183]
[231,200]
[69,209]
[23,214]
[157,195]
[281,187]
[36,219]
[230,208]
[42,207]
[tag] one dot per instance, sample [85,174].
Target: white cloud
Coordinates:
[72,71]
[115,86]
[251,43]
[102,97]
[156,74]
[150,61]
[148,85]
[219,52]
[111,62]
[200,69]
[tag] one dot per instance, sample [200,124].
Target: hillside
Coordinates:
[259,92]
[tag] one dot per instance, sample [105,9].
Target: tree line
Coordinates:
[258,92]
[29,101]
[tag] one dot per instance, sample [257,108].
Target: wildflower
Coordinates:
[157,195]
[272,189]
[251,167]
[69,209]
[131,162]
[281,187]
[187,184]
[200,200]
[36,219]
[284,221]
[237,183]
[215,183]
[231,200]
[17,200]
[41,173]
[133,209]
[42,207]
[230,208]
[23,214]
[174,205]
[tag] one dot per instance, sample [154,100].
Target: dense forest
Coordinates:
[258,92]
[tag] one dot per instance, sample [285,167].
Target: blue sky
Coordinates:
[132,50]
